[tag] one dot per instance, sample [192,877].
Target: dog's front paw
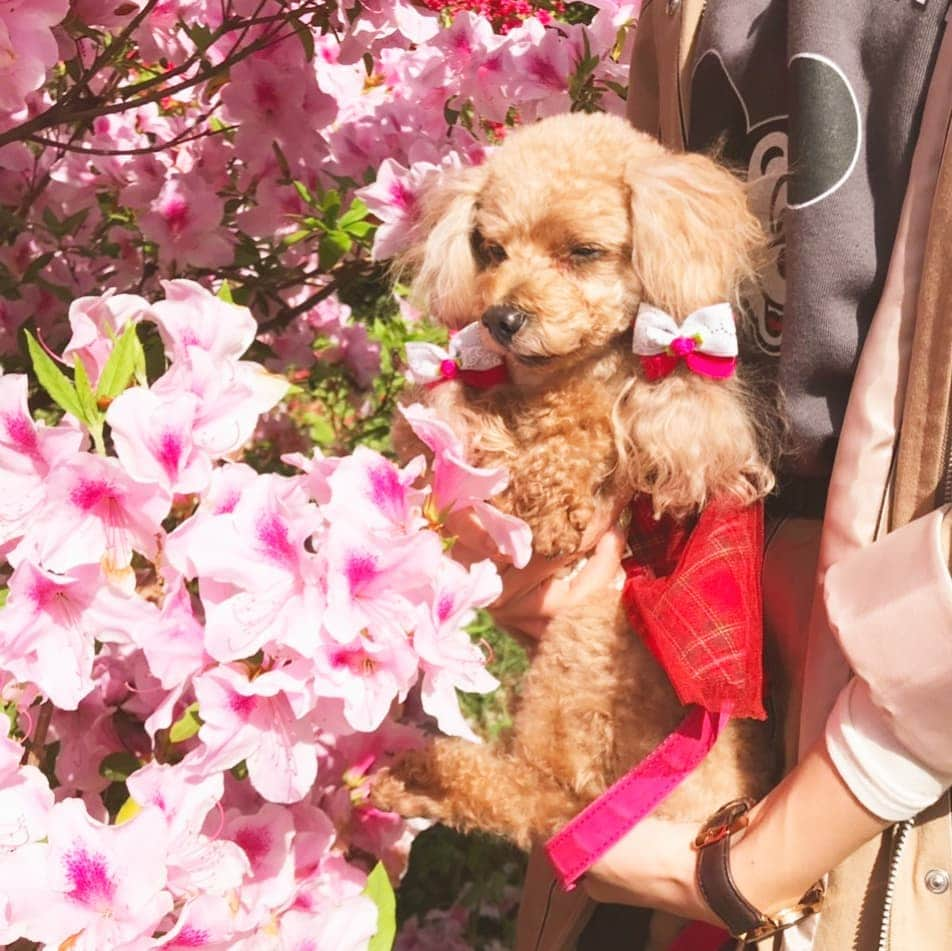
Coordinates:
[402,788]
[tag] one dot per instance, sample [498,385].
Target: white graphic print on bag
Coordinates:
[823,148]
[720,121]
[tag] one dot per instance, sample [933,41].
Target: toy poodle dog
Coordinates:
[552,246]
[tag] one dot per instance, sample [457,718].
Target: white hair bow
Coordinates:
[467,358]
[706,341]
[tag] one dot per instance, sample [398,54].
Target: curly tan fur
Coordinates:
[579,427]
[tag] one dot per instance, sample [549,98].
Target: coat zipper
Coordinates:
[945,486]
[901,836]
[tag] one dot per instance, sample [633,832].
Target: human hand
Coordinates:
[533,596]
[652,866]
[546,587]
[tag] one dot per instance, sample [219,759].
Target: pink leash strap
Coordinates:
[577,846]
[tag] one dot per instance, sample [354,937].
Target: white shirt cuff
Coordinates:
[879,771]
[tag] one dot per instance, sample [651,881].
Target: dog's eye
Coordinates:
[487,253]
[494,253]
[585,252]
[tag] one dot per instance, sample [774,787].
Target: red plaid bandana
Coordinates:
[693,593]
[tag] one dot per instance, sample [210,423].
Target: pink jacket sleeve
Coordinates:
[890,607]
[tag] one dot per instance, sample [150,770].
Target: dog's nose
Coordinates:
[503,322]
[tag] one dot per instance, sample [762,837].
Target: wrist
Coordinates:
[734,895]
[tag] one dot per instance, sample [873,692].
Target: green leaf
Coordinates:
[334,245]
[224,293]
[360,229]
[127,355]
[117,767]
[36,265]
[297,237]
[379,890]
[84,392]
[357,212]
[186,726]
[73,223]
[304,193]
[330,205]
[52,379]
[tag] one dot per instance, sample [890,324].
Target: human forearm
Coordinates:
[802,830]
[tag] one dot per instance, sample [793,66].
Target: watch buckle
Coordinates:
[726,821]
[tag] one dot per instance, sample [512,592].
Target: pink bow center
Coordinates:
[449,369]
[682,346]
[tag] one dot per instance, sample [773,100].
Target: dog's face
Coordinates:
[553,278]
[554,241]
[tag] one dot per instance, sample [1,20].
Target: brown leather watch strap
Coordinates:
[717,886]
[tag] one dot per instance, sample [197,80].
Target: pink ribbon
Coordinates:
[659,365]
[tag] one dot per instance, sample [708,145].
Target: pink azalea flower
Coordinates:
[104,885]
[197,863]
[50,623]
[368,674]
[393,199]
[95,513]
[27,47]
[96,321]
[369,488]
[231,395]
[258,581]
[256,721]
[346,925]
[184,221]
[228,484]
[266,837]
[374,583]
[25,799]
[153,436]
[206,922]
[174,646]
[28,452]
[449,658]
[459,486]
[191,316]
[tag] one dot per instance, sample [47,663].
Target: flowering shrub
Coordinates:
[212,633]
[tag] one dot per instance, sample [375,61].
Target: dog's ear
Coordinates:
[441,257]
[694,241]
[686,439]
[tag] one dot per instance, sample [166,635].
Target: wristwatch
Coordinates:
[744,921]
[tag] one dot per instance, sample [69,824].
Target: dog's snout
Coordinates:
[503,322]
